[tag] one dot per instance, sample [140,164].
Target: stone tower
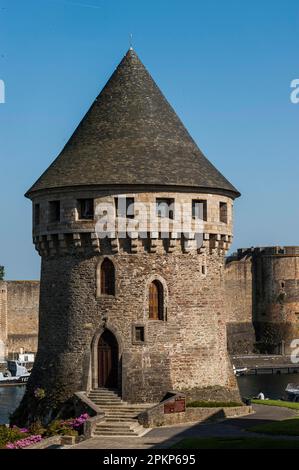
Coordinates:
[263,298]
[143,313]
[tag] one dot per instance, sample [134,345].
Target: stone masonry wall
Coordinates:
[239,291]
[22,316]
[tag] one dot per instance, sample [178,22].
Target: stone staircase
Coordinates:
[120,417]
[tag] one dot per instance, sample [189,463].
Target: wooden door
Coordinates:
[156,301]
[153,301]
[108,360]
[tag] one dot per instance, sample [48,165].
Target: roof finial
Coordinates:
[131,41]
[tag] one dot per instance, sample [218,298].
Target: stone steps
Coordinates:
[123,407]
[104,402]
[117,419]
[125,413]
[119,429]
[120,417]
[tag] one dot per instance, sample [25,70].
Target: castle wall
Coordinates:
[239,292]
[19,301]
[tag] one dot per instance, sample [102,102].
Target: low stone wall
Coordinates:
[49,441]
[156,416]
[213,393]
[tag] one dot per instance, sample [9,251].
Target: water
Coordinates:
[10,398]
[273,386]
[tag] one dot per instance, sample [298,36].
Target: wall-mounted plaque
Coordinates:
[176,405]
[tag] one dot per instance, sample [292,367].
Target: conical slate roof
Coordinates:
[132,136]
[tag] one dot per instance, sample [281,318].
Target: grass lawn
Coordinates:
[283,404]
[235,443]
[287,427]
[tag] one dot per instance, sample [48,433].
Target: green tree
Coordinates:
[1,273]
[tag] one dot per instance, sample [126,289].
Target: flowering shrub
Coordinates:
[77,423]
[58,427]
[27,441]
[8,435]
[23,430]
[18,438]
[39,393]
[37,428]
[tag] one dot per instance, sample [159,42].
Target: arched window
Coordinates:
[156,301]
[107,277]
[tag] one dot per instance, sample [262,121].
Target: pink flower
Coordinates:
[24,442]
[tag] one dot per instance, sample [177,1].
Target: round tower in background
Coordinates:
[276,298]
[137,310]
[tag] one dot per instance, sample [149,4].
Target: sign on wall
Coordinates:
[175,405]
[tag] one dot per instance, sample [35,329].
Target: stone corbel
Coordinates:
[52,245]
[95,242]
[114,245]
[134,242]
[77,240]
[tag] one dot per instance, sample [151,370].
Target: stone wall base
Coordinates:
[213,393]
[193,415]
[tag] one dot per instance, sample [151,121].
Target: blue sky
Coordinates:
[225,66]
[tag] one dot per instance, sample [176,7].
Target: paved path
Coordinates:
[164,437]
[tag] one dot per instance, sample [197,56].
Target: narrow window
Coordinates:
[139,334]
[156,301]
[165,208]
[36,214]
[223,212]
[86,209]
[199,209]
[107,277]
[124,207]
[54,211]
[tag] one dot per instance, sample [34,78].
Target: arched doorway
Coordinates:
[108,360]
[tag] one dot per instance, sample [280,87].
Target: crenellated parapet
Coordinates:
[143,229]
[87,242]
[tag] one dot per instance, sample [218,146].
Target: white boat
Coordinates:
[240,370]
[16,374]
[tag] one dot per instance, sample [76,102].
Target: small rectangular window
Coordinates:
[223,212]
[139,334]
[124,207]
[165,208]
[86,208]
[36,214]
[199,209]
[54,211]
